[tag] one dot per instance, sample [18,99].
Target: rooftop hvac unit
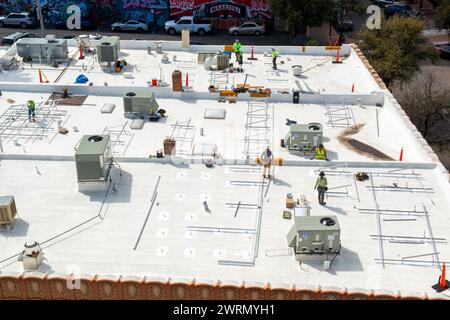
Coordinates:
[315,235]
[8,210]
[41,47]
[304,137]
[140,103]
[219,62]
[108,49]
[93,158]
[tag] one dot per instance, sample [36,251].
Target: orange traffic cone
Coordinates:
[81,53]
[443,281]
[338,58]
[401,155]
[252,55]
[442,284]
[42,77]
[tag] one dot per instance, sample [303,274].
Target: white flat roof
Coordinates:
[235,136]
[319,73]
[174,243]
[180,238]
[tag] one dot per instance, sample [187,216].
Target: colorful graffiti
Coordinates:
[154,12]
[96,12]
[150,11]
[248,9]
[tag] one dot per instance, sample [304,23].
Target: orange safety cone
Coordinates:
[42,77]
[338,58]
[252,55]
[81,53]
[187,79]
[401,155]
[442,284]
[353,87]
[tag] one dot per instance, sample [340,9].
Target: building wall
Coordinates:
[65,287]
[224,13]
[98,11]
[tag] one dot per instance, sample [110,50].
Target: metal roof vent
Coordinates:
[328,222]
[95,138]
[32,256]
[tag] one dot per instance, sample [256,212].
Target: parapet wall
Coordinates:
[345,49]
[368,99]
[60,287]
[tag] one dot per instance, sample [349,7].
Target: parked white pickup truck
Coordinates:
[191,23]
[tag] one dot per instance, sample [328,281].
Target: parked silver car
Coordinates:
[23,20]
[12,38]
[247,28]
[130,25]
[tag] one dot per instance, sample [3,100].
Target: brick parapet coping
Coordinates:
[88,287]
[402,112]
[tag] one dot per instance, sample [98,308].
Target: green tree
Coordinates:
[443,16]
[298,15]
[426,99]
[396,49]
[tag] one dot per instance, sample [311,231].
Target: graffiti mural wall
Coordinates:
[97,12]
[154,12]
[222,12]
[150,11]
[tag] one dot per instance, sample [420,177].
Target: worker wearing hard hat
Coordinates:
[266,159]
[31,110]
[237,46]
[320,153]
[274,58]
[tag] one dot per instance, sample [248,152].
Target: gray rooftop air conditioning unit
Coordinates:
[55,49]
[8,210]
[108,49]
[140,103]
[93,158]
[218,62]
[304,137]
[315,235]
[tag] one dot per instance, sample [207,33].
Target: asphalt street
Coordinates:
[217,37]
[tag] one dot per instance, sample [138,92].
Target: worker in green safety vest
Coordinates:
[274,58]
[31,110]
[320,153]
[322,187]
[237,46]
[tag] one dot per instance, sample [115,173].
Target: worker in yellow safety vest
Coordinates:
[237,46]
[31,110]
[274,58]
[320,153]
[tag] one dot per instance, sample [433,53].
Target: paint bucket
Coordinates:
[154,82]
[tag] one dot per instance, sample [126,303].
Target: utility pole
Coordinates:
[41,22]
[40,17]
